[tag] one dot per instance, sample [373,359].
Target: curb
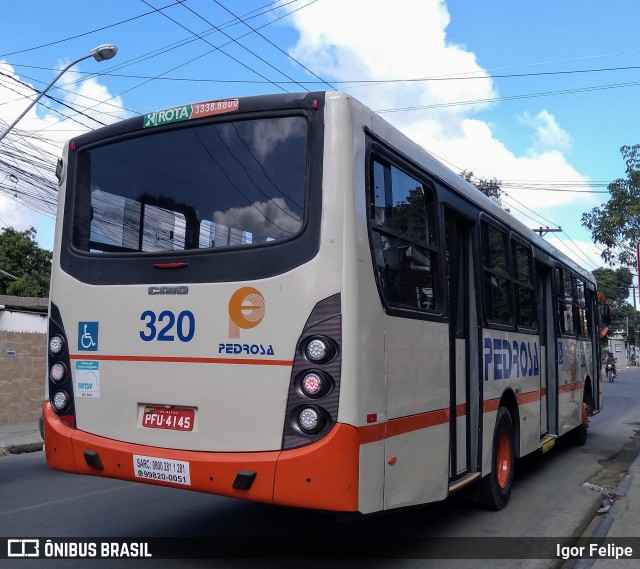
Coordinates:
[601,531]
[24,448]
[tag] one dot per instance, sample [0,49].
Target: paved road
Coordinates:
[549,499]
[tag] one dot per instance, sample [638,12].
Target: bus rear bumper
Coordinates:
[323,475]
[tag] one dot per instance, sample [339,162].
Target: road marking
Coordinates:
[70,499]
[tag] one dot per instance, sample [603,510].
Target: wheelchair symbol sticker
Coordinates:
[88,336]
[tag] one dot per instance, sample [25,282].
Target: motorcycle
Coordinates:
[610,373]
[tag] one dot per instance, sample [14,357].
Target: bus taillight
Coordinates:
[58,372]
[319,349]
[60,401]
[315,384]
[56,343]
[60,380]
[312,420]
[312,407]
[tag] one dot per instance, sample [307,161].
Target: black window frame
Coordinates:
[581,309]
[494,274]
[379,153]
[565,303]
[518,284]
[204,265]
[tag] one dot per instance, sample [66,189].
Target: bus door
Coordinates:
[594,331]
[548,412]
[464,348]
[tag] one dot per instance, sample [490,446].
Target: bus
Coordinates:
[283,299]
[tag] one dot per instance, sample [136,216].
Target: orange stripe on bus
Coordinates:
[492,404]
[529,397]
[568,387]
[403,425]
[181,360]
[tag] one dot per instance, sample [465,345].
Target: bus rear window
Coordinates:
[231,184]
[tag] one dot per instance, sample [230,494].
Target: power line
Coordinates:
[218,48]
[180,44]
[510,97]
[240,43]
[5,86]
[82,34]
[250,15]
[322,81]
[348,82]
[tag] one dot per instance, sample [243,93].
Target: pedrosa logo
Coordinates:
[246,310]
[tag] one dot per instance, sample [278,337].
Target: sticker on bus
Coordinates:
[161,469]
[190,112]
[87,379]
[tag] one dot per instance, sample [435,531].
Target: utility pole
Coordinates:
[635,315]
[627,342]
[544,230]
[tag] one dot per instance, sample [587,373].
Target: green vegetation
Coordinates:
[26,268]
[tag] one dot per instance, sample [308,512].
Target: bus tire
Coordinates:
[580,432]
[495,487]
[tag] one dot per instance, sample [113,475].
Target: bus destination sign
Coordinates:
[190,112]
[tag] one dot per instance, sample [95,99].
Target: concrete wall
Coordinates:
[22,377]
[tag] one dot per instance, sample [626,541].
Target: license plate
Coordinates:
[161,469]
[172,418]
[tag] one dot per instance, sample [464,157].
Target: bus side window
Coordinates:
[568,316]
[497,277]
[402,238]
[526,315]
[581,313]
[564,302]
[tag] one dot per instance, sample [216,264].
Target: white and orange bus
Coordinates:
[284,299]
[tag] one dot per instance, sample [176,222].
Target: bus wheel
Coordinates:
[580,432]
[495,488]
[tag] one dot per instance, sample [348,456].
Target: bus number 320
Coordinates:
[162,326]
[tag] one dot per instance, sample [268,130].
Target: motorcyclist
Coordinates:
[611,360]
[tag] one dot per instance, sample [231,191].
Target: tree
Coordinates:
[616,285]
[20,256]
[490,188]
[616,223]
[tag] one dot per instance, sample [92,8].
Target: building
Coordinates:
[625,354]
[23,351]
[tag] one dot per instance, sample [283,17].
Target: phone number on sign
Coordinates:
[161,469]
[215,107]
[164,477]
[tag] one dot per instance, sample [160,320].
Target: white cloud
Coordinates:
[585,253]
[379,40]
[25,158]
[376,40]
[547,135]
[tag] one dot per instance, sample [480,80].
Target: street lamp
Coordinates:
[100,53]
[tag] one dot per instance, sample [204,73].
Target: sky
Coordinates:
[539,95]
